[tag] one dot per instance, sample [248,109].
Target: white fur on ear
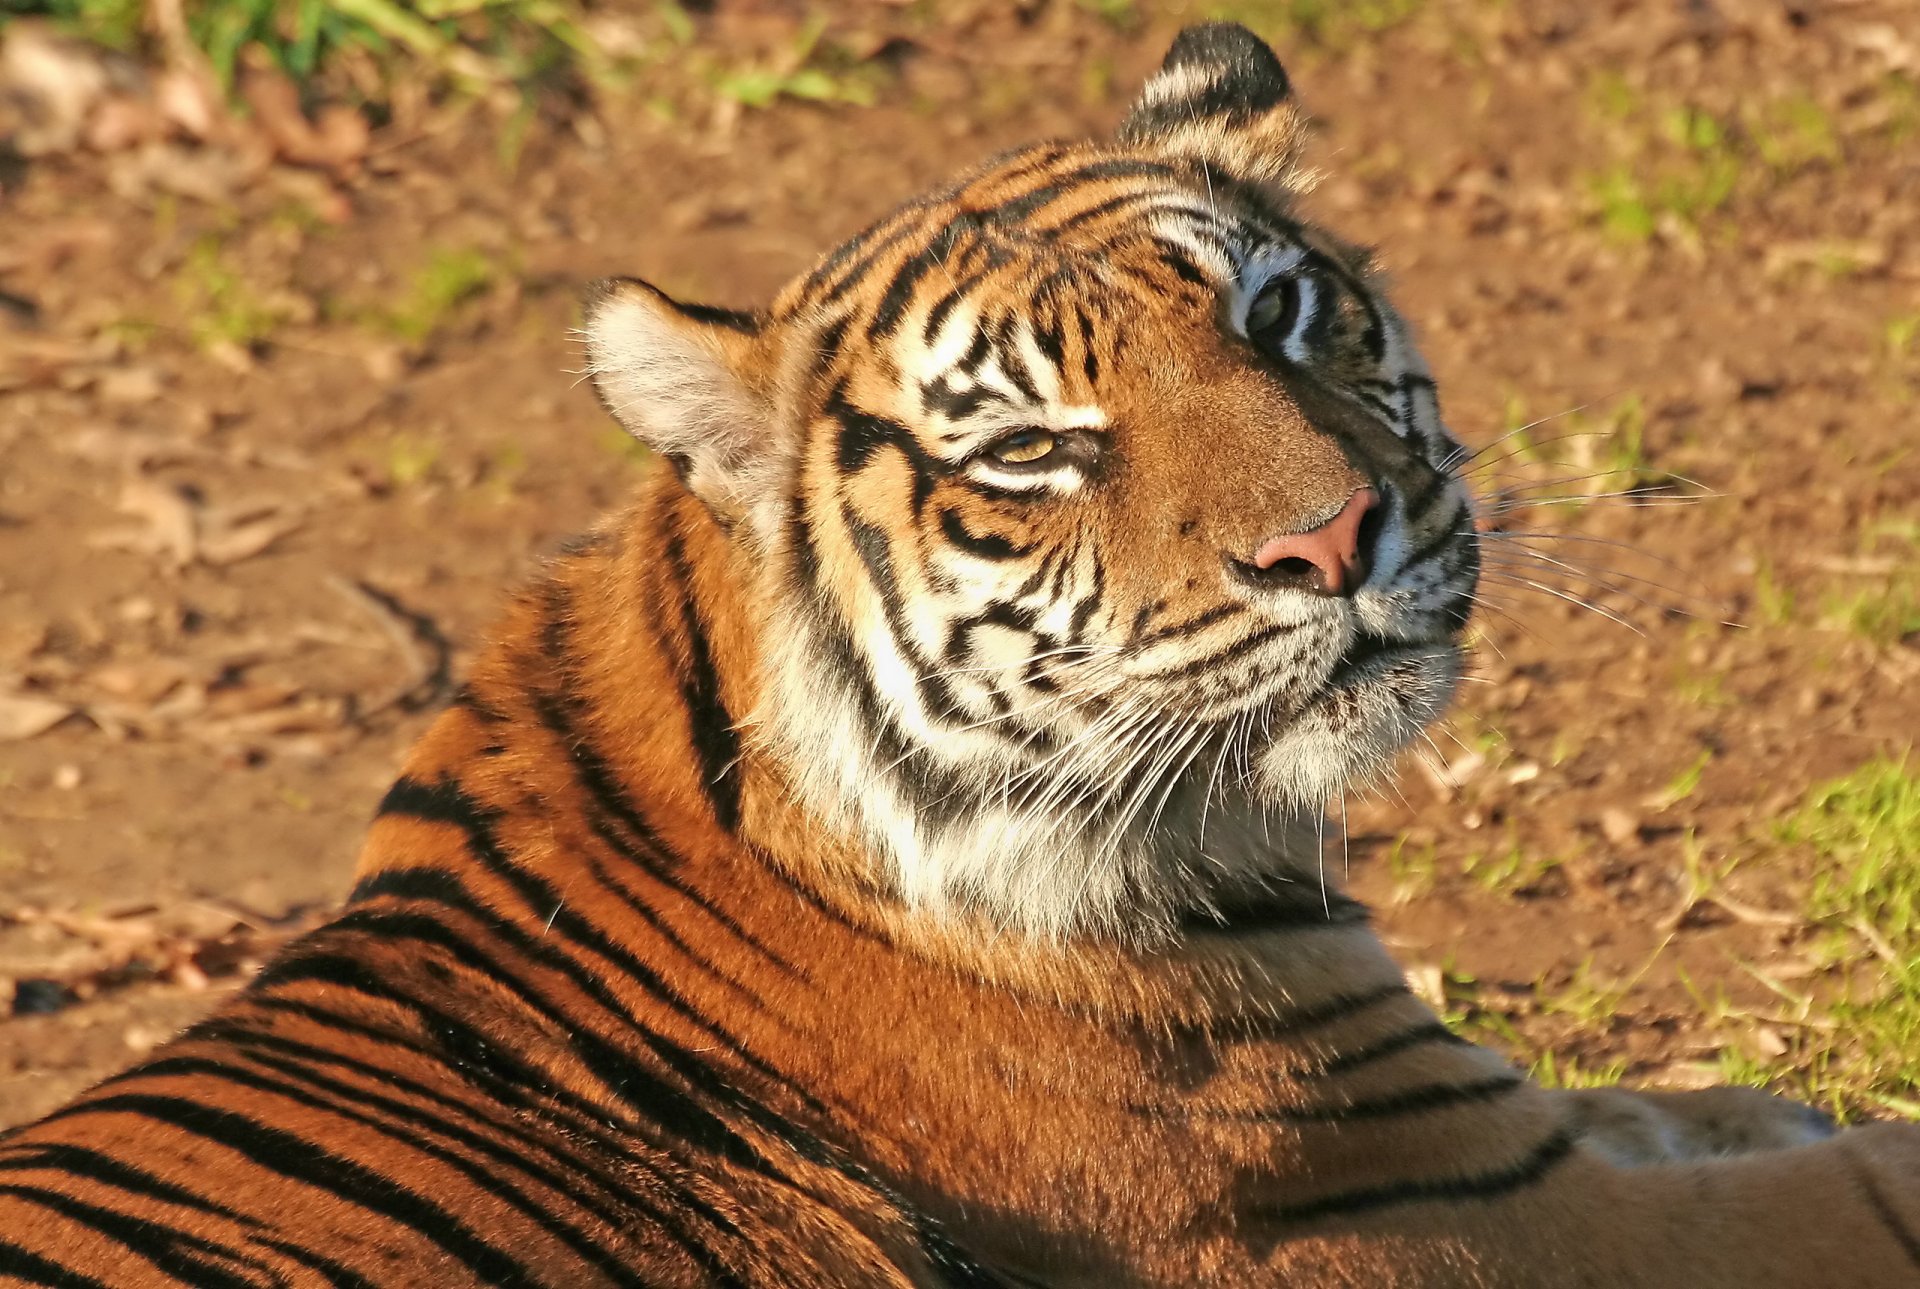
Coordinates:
[1221,97]
[676,377]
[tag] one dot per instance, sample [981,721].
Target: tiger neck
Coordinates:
[602,801]
[640,656]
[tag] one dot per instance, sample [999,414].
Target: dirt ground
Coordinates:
[273,448]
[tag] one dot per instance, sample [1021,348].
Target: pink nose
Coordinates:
[1328,559]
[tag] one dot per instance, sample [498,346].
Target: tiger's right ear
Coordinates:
[1222,98]
[685,380]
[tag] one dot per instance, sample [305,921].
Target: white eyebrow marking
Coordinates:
[1080,416]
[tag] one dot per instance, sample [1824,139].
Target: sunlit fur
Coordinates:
[1045,692]
[864,862]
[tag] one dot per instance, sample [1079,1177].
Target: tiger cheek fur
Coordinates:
[1010,489]
[887,855]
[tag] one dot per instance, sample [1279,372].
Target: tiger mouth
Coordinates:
[1368,655]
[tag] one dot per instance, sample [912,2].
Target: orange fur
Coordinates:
[618,1002]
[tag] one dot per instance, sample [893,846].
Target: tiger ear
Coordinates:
[685,380]
[1221,97]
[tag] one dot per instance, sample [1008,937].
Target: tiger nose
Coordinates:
[1331,559]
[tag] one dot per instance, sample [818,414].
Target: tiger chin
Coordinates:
[887,854]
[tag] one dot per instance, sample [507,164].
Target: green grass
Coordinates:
[1590,1000]
[449,279]
[1590,453]
[1863,833]
[810,69]
[1887,614]
[1686,782]
[1333,25]
[410,460]
[1510,871]
[1776,604]
[623,446]
[217,304]
[545,51]
[474,44]
[1677,167]
[1550,1071]
[1882,607]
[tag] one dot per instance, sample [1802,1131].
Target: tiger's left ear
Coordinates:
[689,382]
[1221,97]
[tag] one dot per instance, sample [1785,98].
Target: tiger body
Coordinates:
[889,853]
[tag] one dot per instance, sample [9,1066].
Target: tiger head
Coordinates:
[1096,510]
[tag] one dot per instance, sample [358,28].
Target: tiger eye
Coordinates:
[1024,448]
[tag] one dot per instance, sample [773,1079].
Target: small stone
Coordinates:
[67,777]
[129,386]
[1619,826]
[40,997]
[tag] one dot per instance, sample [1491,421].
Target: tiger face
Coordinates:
[1098,512]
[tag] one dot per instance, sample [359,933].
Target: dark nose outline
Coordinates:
[1331,559]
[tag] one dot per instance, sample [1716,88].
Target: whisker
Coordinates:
[1517,580]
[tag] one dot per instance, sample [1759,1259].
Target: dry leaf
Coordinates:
[145,682]
[23,716]
[172,521]
[55,81]
[245,540]
[337,142]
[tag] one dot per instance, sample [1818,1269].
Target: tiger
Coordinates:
[888,852]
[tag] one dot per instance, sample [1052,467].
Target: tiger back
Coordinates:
[889,852]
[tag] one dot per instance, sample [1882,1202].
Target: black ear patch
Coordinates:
[1219,74]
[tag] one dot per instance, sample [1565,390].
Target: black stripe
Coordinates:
[1035,199]
[339,1095]
[1449,531]
[1429,1034]
[740,320]
[938,395]
[1256,916]
[197,1261]
[256,1044]
[894,302]
[1101,209]
[716,741]
[876,556]
[1199,622]
[1176,258]
[1013,364]
[525,1093]
[1083,611]
[1883,1210]
[81,1162]
[104,1170]
[1089,343]
[1430,490]
[22,1264]
[1246,644]
[1523,1173]
[1292,1024]
[946,304]
[990,546]
[642,1090]
[1418,1100]
[862,434]
[658,924]
[444,802]
[296,1158]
